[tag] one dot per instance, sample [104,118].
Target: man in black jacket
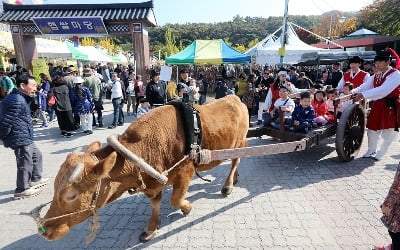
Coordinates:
[336,75]
[16,131]
[156,90]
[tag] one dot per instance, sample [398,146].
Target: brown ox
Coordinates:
[158,138]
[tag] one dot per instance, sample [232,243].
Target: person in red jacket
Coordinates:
[384,119]
[320,106]
[355,75]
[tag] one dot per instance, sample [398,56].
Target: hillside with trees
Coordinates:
[244,32]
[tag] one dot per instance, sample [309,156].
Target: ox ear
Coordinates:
[93,147]
[103,168]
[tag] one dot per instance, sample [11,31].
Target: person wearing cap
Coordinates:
[356,76]
[336,75]
[94,85]
[82,104]
[69,77]
[156,90]
[384,89]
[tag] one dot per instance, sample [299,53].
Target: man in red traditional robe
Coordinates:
[355,76]
[384,89]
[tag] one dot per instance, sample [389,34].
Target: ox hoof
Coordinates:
[226,191]
[187,211]
[147,236]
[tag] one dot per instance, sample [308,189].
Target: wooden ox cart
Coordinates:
[349,132]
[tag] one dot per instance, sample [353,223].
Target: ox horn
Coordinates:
[76,173]
[139,162]
[77,150]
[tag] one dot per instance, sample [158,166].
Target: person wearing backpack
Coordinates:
[82,105]
[16,132]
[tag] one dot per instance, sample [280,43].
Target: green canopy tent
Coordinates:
[208,52]
[76,53]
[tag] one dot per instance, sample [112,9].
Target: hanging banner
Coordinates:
[165,73]
[70,25]
[39,66]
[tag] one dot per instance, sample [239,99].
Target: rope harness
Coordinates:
[35,214]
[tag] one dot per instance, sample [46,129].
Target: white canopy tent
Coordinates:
[52,49]
[266,51]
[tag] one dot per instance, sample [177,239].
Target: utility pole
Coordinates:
[282,51]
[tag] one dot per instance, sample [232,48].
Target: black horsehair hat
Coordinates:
[383,55]
[355,59]
[154,73]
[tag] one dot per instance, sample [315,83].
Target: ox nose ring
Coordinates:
[42,230]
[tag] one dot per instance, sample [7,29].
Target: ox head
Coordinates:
[74,188]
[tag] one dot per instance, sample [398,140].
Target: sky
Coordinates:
[212,11]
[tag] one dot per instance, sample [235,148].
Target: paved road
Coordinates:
[303,200]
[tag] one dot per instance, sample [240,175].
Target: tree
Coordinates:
[170,42]
[88,41]
[382,16]
[349,25]
[253,42]
[108,45]
[240,47]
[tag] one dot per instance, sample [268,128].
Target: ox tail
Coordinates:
[201,177]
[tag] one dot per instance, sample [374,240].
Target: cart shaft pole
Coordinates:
[225,154]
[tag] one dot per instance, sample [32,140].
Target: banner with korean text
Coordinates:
[70,25]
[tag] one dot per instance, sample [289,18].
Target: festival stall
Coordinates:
[55,49]
[266,52]
[208,52]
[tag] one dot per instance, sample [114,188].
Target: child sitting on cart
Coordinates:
[285,104]
[322,116]
[345,91]
[303,114]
